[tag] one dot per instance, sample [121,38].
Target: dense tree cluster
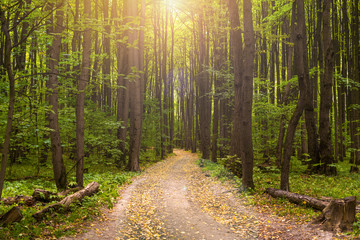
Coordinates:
[263,80]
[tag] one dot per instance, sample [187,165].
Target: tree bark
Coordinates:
[122,94]
[303,76]
[52,85]
[7,66]
[326,154]
[298,198]
[237,54]
[204,109]
[107,60]
[80,100]
[246,146]
[135,92]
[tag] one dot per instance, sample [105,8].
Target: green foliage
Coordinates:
[151,123]
[217,170]
[232,163]
[63,223]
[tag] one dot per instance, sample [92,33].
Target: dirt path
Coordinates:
[174,200]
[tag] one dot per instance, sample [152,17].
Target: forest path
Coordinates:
[174,199]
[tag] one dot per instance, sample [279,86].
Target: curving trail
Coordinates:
[174,199]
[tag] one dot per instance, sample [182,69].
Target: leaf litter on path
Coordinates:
[174,199]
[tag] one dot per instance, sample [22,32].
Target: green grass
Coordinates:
[343,185]
[64,223]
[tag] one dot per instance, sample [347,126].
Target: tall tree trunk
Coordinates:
[135,90]
[80,100]
[204,98]
[355,92]
[8,68]
[171,87]
[122,95]
[107,62]
[326,153]
[246,146]
[164,76]
[52,85]
[311,100]
[237,53]
[300,63]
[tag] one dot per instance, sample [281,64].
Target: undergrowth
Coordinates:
[343,185]
[60,224]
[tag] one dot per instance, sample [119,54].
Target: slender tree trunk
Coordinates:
[301,69]
[355,92]
[204,98]
[171,88]
[326,153]
[80,100]
[122,95]
[135,91]
[237,53]
[215,130]
[8,68]
[311,100]
[246,146]
[52,85]
[107,62]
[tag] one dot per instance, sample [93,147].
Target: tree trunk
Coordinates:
[7,66]
[303,76]
[326,153]
[80,100]
[52,85]
[355,92]
[246,146]
[204,98]
[107,62]
[122,95]
[135,92]
[237,53]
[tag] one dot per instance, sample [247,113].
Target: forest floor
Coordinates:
[174,199]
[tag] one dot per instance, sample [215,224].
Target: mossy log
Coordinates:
[20,199]
[89,190]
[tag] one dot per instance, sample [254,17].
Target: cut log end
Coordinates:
[13,215]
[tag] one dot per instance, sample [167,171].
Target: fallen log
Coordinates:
[338,215]
[68,191]
[13,215]
[318,204]
[20,199]
[90,189]
[298,198]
